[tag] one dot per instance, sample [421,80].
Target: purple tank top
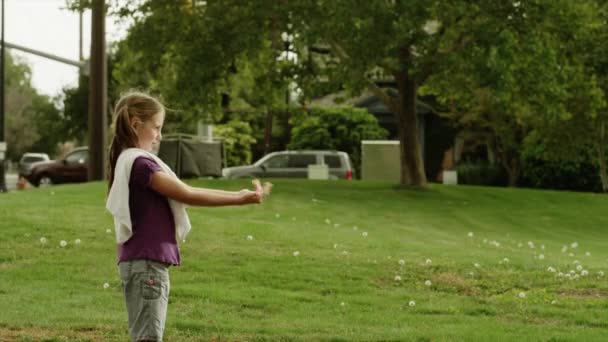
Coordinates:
[151,219]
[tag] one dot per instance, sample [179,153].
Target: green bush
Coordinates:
[481,173]
[335,128]
[238,138]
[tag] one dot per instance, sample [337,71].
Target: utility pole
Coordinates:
[97,93]
[2,139]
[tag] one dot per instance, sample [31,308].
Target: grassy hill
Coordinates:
[322,260]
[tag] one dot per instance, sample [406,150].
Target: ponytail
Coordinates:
[132,104]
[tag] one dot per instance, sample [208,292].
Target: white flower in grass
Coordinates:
[427,283]
[576,262]
[519,245]
[397,278]
[335,245]
[108,231]
[584,273]
[522,295]
[470,234]
[364,234]
[587,254]
[516,4]
[344,252]
[77,241]
[541,256]
[106,285]
[476,265]
[249,237]
[401,262]
[574,245]
[568,275]
[576,276]
[328,221]
[554,302]
[600,273]
[342,304]
[411,303]
[579,267]
[296,253]
[551,269]
[43,240]
[530,244]
[564,249]
[505,260]
[428,261]
[560,274]
[63,243]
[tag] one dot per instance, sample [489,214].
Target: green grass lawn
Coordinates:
[321,265]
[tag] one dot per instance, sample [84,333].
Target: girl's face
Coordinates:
[149,132]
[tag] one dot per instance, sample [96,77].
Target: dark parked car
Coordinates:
[28,159]
[294,164]
[71,169]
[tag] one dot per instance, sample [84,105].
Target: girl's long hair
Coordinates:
[133,104]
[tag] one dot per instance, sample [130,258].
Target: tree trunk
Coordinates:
[412,166]
[513,169]
[267,132]
[602,157]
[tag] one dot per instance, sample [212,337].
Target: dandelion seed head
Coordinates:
[574,245]
[277,215]
[249,237]
[43,240]
[328,221]
[600,273]
[411,303]
[587,254]
[106,285]
[541,256]
[364,234]
[427,283]
[296,253]
[108,231]
[564,249]
[355,228]
[431,27]
[397,278]
[554,302]
[476,265]
[63,243]
[428,261]
[401,262]
[579,267]
[470,234]
[77,241]
[522,295]
[505,260]
[584,273]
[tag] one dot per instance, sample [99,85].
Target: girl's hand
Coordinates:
[258,195]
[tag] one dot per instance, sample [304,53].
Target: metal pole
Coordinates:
[2,79]
[97,94]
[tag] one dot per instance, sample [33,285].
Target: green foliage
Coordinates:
[237,137]
[481,173]
[31,118]
[336,128]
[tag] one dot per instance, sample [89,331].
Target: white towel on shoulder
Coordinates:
[118,198]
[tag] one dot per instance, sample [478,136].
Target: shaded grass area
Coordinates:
[352,239]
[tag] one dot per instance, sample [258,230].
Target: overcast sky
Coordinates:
[44,25]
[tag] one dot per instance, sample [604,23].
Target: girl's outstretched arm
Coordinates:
[177,190]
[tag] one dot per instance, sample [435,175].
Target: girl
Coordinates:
[148,203]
